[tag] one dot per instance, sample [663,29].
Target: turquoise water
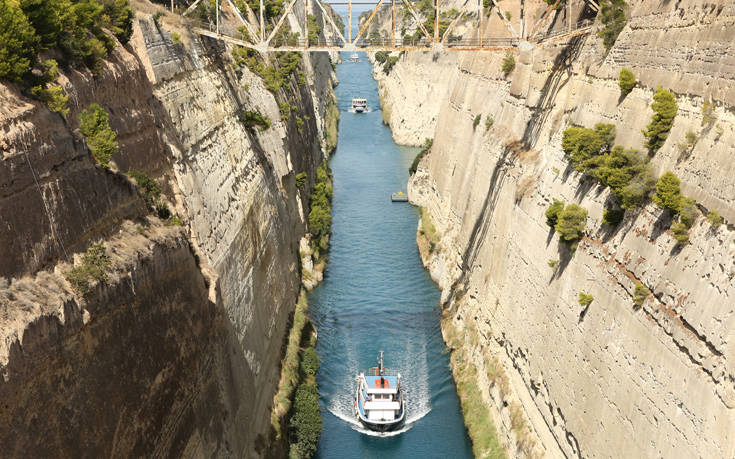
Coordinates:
[376,295]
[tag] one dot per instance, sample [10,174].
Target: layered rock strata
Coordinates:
[610,378]
[161,359]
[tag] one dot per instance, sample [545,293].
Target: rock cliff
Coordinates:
[610,378]
[178,352]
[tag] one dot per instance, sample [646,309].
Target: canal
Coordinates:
[377,296]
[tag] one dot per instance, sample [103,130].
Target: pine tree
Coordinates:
[665,108]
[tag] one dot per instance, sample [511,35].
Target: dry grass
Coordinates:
[428,230]
[289,366]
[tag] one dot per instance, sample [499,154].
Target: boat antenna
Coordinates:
[380,363]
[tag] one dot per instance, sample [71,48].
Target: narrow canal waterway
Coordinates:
[377,296]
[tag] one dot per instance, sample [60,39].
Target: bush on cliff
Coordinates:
[95,264]
[148,187]
[253,119]
[585,299]
[681,233]
[552,213]
[509,63]
[571,223]
[583,144]
[640,293]
[668,192]
[101,139]
[305,425]
[612,16]
[18,42]
[626,81]
[612,217]
[320,215]
[424,151]
[665,109]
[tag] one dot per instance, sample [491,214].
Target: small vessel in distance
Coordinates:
[379,401]
[359,105]
[354,58]
[399,197]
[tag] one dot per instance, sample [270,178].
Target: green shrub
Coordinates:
[314,30]
[381,56]
[101,139]
[708,113]
[688,212]
[626,81]
[415,164]
[582,144]
[668,192]
[476,121]
[714,219]
[612,16]
[309,362]
[54,97]
[554,265]
[176,38]
[509,63]
[640,293]
[585,299]
[612,217]
[284,66]
[18,42]
[173,220]
[95,264]
[390,62]
[489,121]
[148,187]
[665,109]
[681,233]
[320,215]
[305,425]
[299,124]
[252,119]
[552,213]
[508,16]
[300,179]
[571,223]
[691,137]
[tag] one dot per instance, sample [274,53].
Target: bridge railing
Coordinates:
[583,24]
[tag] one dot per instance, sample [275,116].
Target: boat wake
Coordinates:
[367,110]
[417,393]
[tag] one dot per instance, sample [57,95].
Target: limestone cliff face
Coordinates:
[159,360]
[609,379]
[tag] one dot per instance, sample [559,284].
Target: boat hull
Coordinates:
[381,426]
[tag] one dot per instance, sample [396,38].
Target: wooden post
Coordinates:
[172,6]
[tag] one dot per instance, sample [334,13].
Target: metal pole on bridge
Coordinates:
[480,12]
[262,22]
[394,23]
[349,21]
[306,24]
[216,13]
[436,23]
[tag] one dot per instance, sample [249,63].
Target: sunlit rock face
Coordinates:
[655,380]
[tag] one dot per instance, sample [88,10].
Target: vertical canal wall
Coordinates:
[561,378]
[178,352]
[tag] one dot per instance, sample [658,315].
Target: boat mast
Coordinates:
[380,363]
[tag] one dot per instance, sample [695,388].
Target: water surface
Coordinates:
[376,295]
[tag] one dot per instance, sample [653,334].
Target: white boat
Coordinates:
[359,105]
[354,58]
[379,403]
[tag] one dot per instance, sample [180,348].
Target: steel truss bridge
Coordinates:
[268,40]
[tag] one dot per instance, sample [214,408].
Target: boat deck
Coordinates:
[389,382]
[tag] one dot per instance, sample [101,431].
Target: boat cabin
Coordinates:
[380,397]
[359,105]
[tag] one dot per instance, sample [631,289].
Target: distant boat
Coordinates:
[399,197]
[359,105]
[379,401]
[354,58]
